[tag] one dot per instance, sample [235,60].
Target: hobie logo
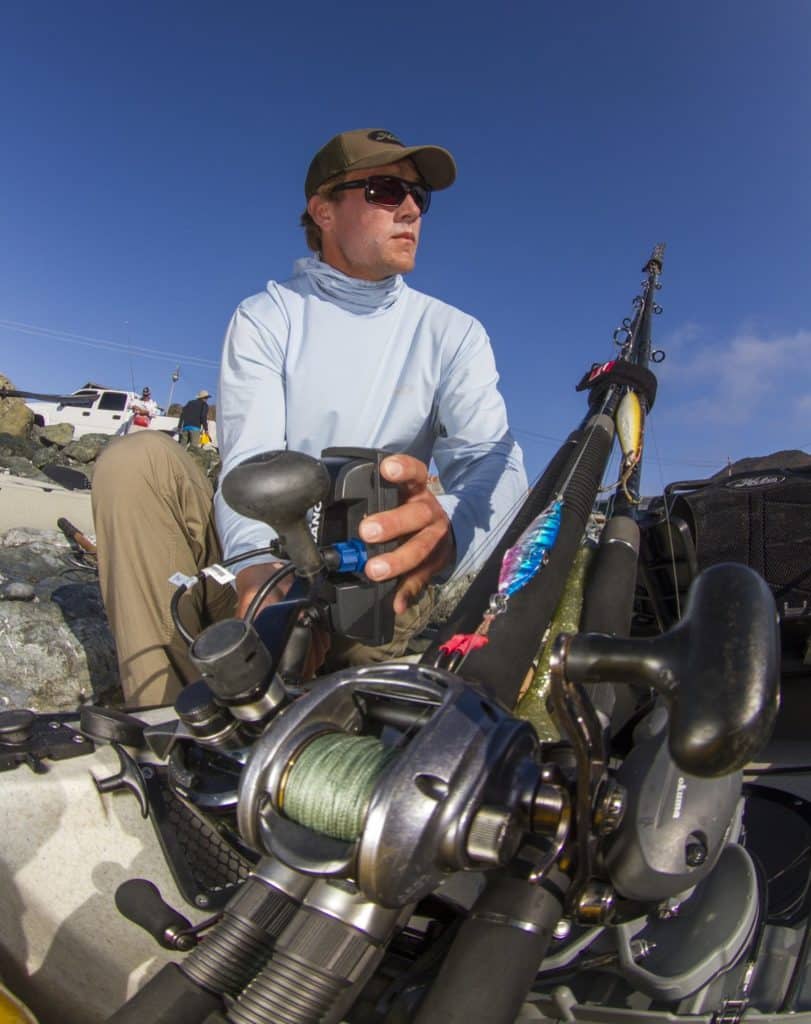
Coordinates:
[756,481]
[681,789]
[381,136]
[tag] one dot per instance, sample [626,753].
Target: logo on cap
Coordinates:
[381,136]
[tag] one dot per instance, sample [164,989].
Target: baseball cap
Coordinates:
[374,147]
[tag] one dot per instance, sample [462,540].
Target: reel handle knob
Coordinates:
[278,488]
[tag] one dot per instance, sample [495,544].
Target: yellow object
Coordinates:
[12,1010]
[204,438]
[532,705]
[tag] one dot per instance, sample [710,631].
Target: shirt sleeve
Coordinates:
[480,465]
[250,413]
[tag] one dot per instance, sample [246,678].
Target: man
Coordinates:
[342,354]
[143,409]
[193,420]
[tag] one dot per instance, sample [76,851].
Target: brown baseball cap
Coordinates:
[374,147]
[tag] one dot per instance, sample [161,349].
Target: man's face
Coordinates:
[367,241]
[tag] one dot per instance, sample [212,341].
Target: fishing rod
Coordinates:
[497,646]
[80,401]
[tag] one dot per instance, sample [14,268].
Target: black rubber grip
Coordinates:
[169,998]
[141,902]
[608,600]
[494,959]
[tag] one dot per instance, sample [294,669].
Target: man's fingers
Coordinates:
[397,522]
[426,546]
[406,471]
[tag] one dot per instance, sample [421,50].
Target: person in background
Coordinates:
[343,353]
[143,410]
[193,420]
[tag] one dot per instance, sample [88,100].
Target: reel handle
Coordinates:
[718,669]
[278,488]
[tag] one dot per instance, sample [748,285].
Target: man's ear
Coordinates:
[320,209]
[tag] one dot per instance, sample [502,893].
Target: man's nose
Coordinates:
[408,209]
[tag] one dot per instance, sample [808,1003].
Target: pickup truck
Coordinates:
[95,409]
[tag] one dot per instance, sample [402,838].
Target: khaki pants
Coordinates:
[190,438]
[153,515]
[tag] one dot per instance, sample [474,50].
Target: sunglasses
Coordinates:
[384,190]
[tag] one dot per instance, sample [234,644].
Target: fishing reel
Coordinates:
[395,776]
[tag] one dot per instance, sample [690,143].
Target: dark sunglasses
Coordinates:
[384,190]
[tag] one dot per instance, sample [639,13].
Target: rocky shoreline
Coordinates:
[56,649]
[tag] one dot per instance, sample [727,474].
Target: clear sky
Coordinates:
[152,158]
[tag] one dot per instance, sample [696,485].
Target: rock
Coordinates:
[208,459]
[87,448]
[19,466]
[17,592]
[58,434]
[58,650]
[15,416]
[21,447]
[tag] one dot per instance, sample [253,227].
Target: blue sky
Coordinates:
[153,156]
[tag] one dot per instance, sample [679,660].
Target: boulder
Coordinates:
[58,434]
[58,649]
[208,459]
[19,466]
[86,449]
[18,447]
[15,416]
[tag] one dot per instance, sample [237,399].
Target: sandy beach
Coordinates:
[38,504]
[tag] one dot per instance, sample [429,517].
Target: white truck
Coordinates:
[96,409]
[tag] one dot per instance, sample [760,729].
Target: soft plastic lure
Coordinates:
[523,560]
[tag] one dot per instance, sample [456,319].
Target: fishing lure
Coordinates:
[531,551]
[630,420]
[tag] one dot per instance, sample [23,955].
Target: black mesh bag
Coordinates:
[756,511]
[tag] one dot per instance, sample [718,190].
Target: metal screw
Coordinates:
[146,771]
[562,929]
[201,900]
[54,725]
[78,739]
[610,808]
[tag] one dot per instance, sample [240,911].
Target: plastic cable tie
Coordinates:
[180,579]
[463,643]
[219,573]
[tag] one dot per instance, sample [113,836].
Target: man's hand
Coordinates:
[422,520]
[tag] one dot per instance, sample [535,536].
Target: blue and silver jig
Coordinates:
[531,551]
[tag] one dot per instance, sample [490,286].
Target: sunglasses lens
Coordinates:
[391,192]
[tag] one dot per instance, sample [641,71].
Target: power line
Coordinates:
[106,343]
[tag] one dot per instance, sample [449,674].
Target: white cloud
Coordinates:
[734,381]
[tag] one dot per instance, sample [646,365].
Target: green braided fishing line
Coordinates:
[331,782]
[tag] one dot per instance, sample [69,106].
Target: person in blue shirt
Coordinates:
[343,353]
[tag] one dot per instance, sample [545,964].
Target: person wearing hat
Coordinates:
[343,353]
[142,409]
[193,420]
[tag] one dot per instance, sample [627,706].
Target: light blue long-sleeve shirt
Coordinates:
[326,360]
